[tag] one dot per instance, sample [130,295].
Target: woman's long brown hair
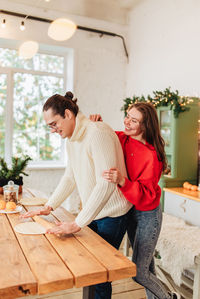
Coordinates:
[151,129]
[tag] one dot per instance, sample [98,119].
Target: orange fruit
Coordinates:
[2,204]
[188,186]
[10,206]
[185,184]
[194,188]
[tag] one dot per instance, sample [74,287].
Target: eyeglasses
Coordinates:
[53,126]
[131,119]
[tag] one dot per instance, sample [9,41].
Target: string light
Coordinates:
[3,24]
[22,26]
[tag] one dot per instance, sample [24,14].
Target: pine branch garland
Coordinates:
[164,98]
[17,168]
[4,168]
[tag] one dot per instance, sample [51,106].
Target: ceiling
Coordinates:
[108,10]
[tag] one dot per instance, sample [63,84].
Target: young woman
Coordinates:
[145,159]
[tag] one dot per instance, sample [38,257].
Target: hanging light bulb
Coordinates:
[22,26]
[61,29]
[3,24]
[28,49]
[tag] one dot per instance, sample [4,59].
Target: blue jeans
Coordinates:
[143,232]
[111,229]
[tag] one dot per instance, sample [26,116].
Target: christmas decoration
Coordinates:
[13,173]
[165,98]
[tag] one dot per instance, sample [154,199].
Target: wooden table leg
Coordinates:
[88,292]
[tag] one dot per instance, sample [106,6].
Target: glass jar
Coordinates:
[10,192]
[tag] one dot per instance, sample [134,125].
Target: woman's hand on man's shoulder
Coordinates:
[95,117]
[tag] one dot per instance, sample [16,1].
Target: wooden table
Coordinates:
[42,264]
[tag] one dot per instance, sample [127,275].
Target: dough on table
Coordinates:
[30,228]
[35,201]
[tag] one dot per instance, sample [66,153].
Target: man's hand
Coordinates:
[62,228]
[95,117]
[113,175]
[44,211]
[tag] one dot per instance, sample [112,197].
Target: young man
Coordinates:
[92,148]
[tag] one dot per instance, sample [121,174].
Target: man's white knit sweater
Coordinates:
[92,148]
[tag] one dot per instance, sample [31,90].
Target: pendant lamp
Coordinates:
[61,29]
[28,49]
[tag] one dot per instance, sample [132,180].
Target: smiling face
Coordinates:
[132,123]
[64,126]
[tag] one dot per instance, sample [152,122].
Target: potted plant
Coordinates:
[13,173]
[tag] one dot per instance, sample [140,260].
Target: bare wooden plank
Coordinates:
[87,270]
[16,278]
[51,273]
[136,294]
[114,261]
[125,285]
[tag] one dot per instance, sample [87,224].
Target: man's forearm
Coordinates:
[95,203]
[63,190]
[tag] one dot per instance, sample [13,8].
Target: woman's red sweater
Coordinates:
[144,170]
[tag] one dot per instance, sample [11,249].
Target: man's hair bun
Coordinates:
[69,95]
[60,103]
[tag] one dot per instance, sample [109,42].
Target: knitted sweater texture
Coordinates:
[92,148]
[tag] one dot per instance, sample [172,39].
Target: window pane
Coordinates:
[50,145]
[48,63]
[30,133]
[40,62]
[165,118]
[3,96]
[10,58]
[2,143]
[25,142]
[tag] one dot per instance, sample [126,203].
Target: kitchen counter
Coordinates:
[185,204]
[194,195]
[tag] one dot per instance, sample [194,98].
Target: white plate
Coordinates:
[30,228]
[17,210]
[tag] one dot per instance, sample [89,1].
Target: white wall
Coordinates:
[99,62]
[99,70]
[164,49]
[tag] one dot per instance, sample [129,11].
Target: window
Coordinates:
[24,87]
[3,93]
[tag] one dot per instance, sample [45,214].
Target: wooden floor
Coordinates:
[122,289]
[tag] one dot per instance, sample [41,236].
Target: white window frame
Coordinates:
[68,85]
